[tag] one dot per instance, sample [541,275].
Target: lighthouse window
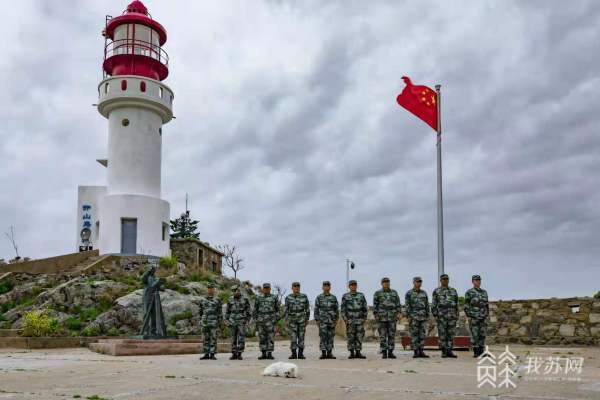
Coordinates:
[160,92]
[123,84]
[106,87]
[143,86]
[125,122]
[160,131]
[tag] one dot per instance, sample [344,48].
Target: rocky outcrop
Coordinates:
[181,313]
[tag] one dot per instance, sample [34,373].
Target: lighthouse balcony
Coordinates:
[136,57]
[135,91]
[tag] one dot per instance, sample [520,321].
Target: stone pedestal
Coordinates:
[152,347]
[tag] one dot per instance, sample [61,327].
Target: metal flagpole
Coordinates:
[440,207]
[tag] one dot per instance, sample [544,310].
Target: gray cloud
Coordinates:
[291,146]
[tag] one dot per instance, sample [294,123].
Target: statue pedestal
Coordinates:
[152,347]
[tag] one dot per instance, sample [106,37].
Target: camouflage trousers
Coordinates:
[297,331]
[446,330]
[387,335]
[209,334]
[266,335]
[418,332]
[478,332]
[238,337]
[355,333]
[326,335]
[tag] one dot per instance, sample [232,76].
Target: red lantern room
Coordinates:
[133,44]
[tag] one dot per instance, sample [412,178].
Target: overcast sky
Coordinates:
[291,146]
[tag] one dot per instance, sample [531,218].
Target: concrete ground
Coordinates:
[68,373]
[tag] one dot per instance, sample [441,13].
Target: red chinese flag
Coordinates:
[421,101]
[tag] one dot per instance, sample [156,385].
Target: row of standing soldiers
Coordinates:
[387,310]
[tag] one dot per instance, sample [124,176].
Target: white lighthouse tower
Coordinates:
[128,216]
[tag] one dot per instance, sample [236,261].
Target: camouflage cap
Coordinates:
[295,284]
[417,279]
[351,282]
[211,285]
[266,285]
[385,279]
[476,278]
[326,283]
[442,276]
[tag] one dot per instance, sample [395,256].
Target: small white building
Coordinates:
[128,215]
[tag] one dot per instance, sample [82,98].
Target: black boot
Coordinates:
[263,356]
[384,354]
[330,355]
[269,356]
[301,353]
[358,354]
[206,356]
[239,356]
[422,354]
[475,351]
[416,354]
[323,355]
[450,354]
[351,355]
[212,356]
[233,356]
[391,354]
[444,353]
[294,355]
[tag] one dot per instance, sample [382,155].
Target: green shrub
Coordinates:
[93,330]
[282,328]
[89,314]
[461,300]
[7,306]
[171,331]
[597,295]
[113,331]
[38,323]
[224,296]
[181,316]
[73,324]
[6,286]
[168,262]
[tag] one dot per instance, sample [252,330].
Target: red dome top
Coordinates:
[137,7]
[136,13]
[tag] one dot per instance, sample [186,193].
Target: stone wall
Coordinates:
[196,254]
[553,321]
[51,265]
[571,321]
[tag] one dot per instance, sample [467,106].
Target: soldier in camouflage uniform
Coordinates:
[237,317]
[354,314]
[266,315]
[417,311]
[326,314]
[444,307]
[211,311]
[386,309]
[297,314]
[477,309]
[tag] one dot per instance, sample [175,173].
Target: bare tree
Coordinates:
[279,292]
[11,238]
[232,259]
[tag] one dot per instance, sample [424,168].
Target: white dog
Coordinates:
[282,369]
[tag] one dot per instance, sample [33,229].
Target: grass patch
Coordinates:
[181,316]
[6,286]
[38,324]
[96,397]
[168,262]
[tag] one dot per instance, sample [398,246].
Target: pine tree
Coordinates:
[184,227]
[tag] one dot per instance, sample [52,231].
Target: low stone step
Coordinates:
[152,347]
[10,332]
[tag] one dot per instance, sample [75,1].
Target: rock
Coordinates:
[595,331]
[526,319]
[127,312]
[195,288]
[594,318]
[82,293]
[566,330]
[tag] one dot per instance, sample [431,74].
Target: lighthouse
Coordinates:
[128,215]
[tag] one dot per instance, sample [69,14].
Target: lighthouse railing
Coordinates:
[136,47]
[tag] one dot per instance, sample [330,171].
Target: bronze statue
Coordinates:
[154,320]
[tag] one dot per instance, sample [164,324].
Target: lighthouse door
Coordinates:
[128,235]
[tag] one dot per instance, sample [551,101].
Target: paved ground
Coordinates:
[65,373]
